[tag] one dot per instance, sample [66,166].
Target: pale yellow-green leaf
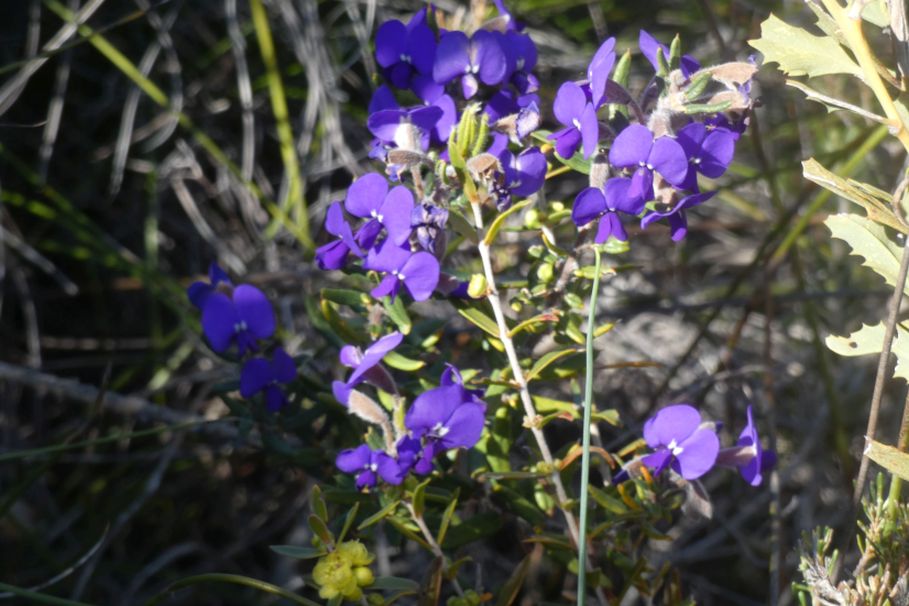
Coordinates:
[870,340]
[875,201]
[800,53]
[869,241]
[888,457]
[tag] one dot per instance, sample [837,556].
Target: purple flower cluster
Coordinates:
[444,418]
[653,162]
[403,238]
[689,446]
[242,316]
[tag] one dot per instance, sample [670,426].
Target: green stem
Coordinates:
[39,598]
[585,444]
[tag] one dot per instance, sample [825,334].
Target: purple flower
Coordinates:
[517,116]
[599,69]
[369,465]
[649,45]
[418,272]
[761,459]
[573,109]
[524,173]
[405,51]
[709,151]
[198,292]
[721,121]
[334,254]
[408,129]
[521,58]
[261,374]
[243,318]
[450,416]
[603,204]
[369,198]
[479,56]
[428,222]
[678,222]
[381,99]
[505,15]
[680,440]
[365,365]
[415,456]
[636,149]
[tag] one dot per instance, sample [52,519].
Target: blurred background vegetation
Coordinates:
[127,150]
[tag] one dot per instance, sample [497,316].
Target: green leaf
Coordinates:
[546,405]
[348,521]
[300,553]
[321,530]
[446,517]
[513,586]
[398,313]
[317,503]
[399,362]
[875,202]
[419,498]
[493,230]
[481,320]
[346,296]
[462,226]
[379,515]
[799,53]
[548,359]
[868,240]
[870,340]
[893,460]
[395,584]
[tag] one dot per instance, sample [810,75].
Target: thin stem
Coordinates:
[881,377]
[585,443]
[433,544]
[518,373]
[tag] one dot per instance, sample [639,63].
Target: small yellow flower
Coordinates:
[344,571]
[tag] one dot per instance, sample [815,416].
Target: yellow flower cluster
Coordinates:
[344,572]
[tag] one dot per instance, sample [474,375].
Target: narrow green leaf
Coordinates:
[893,460]
[446,517]
[496,225]
[378,516]
[403,526]
[300,553]
[398,313]
[800,53]
[548,359]
[481,320]
[875,202]
[419,498]
[321,530]
[317,503]
[345,296]
[512,587]
[399,362]
[462,226]
[348,521]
